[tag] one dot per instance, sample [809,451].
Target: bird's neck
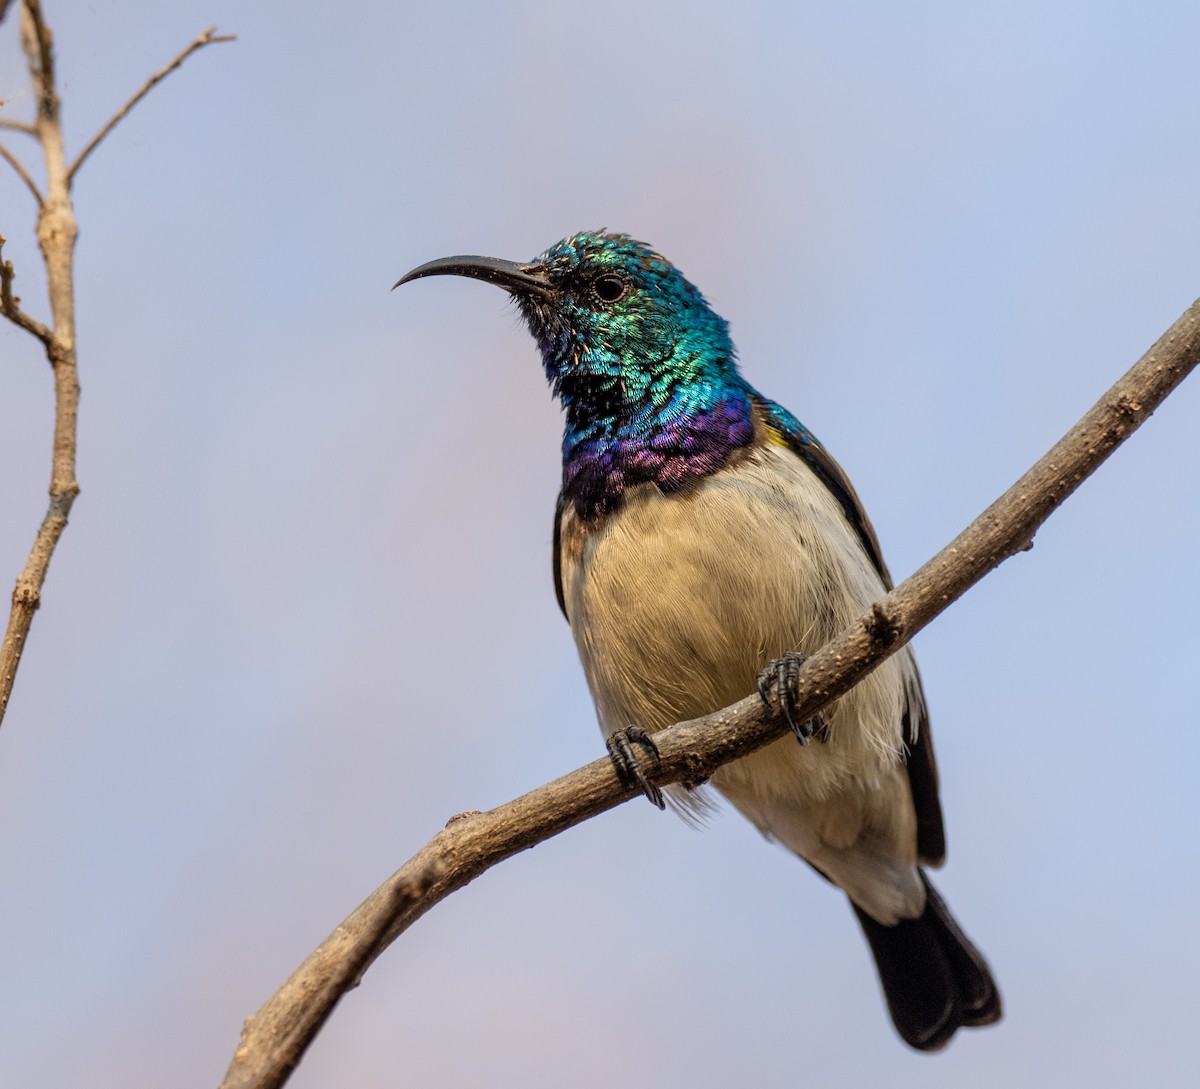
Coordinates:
[611,446]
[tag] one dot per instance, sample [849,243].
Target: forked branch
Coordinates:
[56,232]
[273,1040]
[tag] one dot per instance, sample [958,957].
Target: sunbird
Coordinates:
[704,540]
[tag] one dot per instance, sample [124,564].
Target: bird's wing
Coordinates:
[559,505]
[922,766]
[789,431]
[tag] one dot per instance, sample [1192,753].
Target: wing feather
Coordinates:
[921,763]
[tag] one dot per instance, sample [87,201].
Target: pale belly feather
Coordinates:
[677,601]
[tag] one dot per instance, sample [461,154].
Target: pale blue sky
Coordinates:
[303,612]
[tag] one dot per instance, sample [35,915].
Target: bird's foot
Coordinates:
[779,681]
[620,750]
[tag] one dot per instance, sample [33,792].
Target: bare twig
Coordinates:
[691,751]
[17,126]
[207,37]
[15,163]
[38,43]
[10,305]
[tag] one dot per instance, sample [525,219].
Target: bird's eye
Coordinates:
[608,288]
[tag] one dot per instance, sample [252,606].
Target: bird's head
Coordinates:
[642,365]
[619,327]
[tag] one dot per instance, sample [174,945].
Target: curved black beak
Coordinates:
[515,278]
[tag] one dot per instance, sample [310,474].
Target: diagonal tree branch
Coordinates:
[274,1038]
[395,901]
[207,37]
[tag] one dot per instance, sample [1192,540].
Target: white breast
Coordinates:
[677,601]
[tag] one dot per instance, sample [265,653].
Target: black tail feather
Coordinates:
[935,981]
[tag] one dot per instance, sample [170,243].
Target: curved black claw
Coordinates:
[779,680]
[620,750]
